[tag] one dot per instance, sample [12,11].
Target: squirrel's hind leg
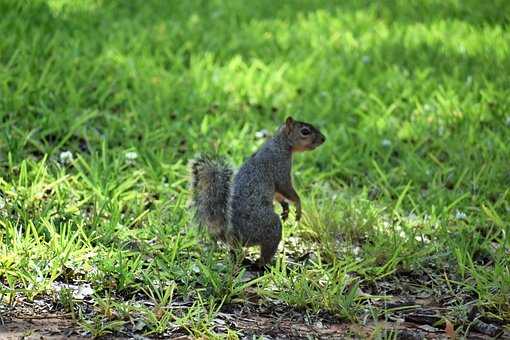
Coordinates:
[269,245]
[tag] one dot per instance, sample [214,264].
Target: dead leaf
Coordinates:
[450,330]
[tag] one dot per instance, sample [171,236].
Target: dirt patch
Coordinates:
[42,318]
[44,327]
[292,325]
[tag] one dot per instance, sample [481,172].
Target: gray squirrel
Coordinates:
[238,210]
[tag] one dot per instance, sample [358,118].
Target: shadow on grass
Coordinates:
[103,43]
[472,11]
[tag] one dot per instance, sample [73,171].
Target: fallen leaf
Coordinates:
[450,330]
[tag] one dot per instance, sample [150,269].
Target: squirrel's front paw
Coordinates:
[285,210]
[298,215]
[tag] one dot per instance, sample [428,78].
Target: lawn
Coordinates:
[406,226]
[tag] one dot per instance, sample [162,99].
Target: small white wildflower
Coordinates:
[66,157]
[195,268]
[412,217]
[261,134]
[386,143]
[422,238]
[459,215]
[365,59]
[429,108]
[131,156]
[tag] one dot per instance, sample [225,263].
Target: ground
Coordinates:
[405,229]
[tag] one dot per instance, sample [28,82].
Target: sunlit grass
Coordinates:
[102,103]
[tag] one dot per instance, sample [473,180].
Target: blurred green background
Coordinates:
[171,78]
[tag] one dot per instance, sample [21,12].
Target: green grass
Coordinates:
[413,181]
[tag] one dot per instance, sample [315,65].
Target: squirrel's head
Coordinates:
[302,136]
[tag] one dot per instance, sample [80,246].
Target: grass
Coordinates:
[413,181]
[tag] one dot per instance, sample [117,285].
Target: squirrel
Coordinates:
[239,210]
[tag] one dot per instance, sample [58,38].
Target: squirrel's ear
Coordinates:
[288,122]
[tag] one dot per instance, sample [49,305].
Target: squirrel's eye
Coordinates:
[305,131]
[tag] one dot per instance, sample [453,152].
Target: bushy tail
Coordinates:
[211,180]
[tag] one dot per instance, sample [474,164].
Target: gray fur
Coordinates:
[210,187]
[243,213]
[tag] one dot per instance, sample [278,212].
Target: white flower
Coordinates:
[422,238]
[429,108]
[459,215]
[66,157]
[386,143]
[131,156]
[412,217]
[261,134]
